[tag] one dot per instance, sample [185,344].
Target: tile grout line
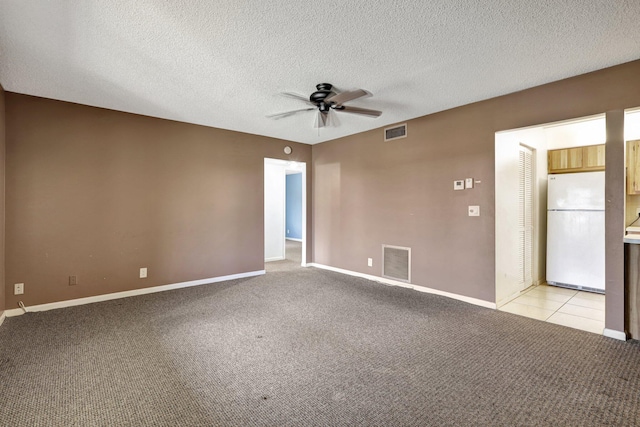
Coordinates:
[567,302]
[574,315]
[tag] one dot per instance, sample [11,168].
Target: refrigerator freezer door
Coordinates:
[576,191]
[575,248]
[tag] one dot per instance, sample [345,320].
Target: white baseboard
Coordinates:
[294,239]
[2,317]
[508,299]
[278,258]
[418,288]
[131,293]
[616,335]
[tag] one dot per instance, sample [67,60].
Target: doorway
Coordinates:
[279,245]
[521,223]
[521,177]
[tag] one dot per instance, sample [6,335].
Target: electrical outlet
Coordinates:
[18,289]
[143,273]
[73,280]
[474,210]
[370,262]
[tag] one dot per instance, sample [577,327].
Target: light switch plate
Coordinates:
[468,183]
[458,184]
[370,262]
[474,210]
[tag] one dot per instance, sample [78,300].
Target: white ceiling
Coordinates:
[222,63]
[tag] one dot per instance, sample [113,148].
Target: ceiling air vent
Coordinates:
[395,132]
[396,263]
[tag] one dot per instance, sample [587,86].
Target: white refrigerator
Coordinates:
[575,230]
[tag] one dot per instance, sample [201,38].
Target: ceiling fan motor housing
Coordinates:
[318,97]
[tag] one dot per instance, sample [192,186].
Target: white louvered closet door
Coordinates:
[525,217]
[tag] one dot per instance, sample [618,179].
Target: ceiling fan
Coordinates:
[325,99]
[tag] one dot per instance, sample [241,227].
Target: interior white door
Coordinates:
[525,217]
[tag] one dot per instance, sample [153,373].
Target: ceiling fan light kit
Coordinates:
[325,99]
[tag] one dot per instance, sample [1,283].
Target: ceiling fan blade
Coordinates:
[342,97]
[298,97]
[288,113]
[363,111]
[322,119]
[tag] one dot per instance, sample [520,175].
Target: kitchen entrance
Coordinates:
[525,161]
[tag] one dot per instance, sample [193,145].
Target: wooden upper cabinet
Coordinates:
[566,159]
[577,159]
[593,157]
[633,167]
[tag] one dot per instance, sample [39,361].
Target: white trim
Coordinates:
[559,123]
[294,239]
[470,300]
[297,167]
[277,258]
[2,317]
[131,293]
[616,335]
[304,214]
[511,297]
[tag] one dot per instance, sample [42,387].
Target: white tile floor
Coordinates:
[567,307]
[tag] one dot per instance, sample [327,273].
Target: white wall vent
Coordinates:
[396,263]
[395,132]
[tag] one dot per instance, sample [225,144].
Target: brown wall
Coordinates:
[368,192]
[98,194]
[615,214]
[2,174]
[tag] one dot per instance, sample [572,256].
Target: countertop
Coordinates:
[632,238]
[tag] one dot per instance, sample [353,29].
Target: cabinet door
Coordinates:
[593,157]
[633,167]
[557,160]
[565,160]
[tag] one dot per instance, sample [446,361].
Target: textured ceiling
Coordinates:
[222,63]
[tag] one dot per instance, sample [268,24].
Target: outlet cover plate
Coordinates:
[474,210]
[143,273]
[18,289]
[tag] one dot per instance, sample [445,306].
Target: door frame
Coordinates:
[290,165]
[507,147]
